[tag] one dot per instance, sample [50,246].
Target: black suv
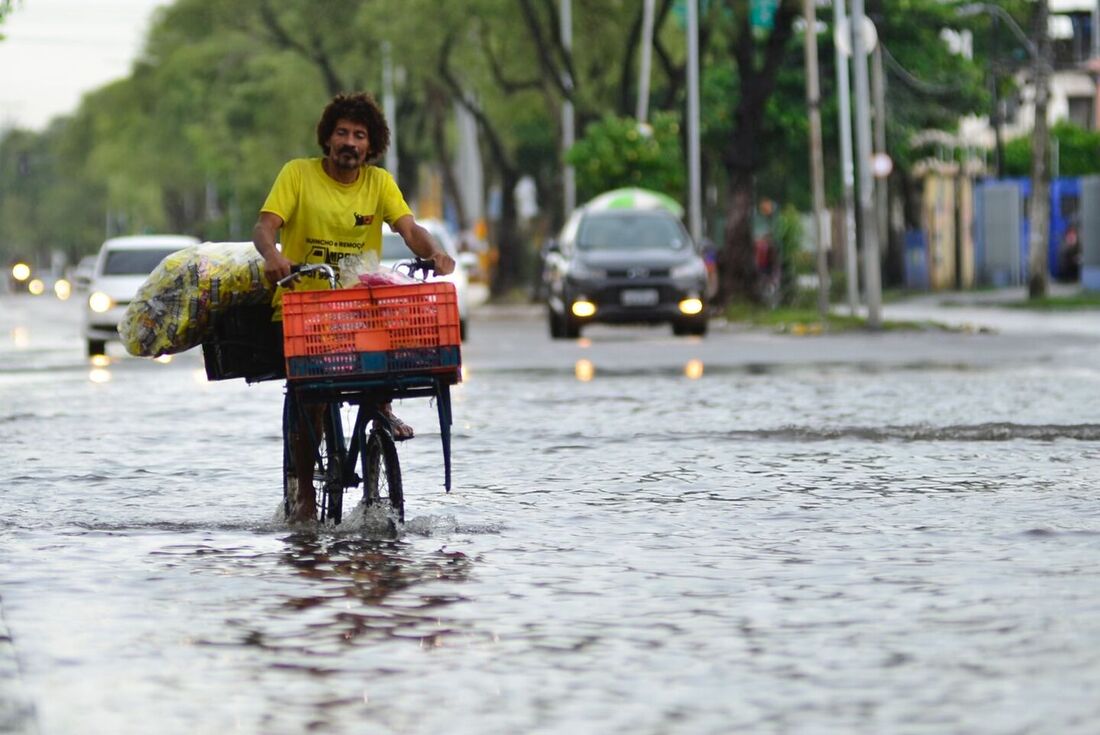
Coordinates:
[624,266]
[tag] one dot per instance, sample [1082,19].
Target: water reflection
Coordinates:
[99,375]
[584,370]
[358,591]
[20,337]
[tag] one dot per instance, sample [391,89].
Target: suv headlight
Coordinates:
[100,302]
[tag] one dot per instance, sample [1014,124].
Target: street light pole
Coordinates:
[1094,66]
[996,11]
[882,194]
[695,194]
[998,139]
[647,54]
[848,179]
[871,268]
[817,164]
[389,105]
[568,118]
[1039,205]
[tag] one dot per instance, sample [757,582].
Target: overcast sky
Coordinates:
[56,50]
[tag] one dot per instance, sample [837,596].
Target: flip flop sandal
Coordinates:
[401,431]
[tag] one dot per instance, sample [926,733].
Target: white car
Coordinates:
[394,251]
[121,267]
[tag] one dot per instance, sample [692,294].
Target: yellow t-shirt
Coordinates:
[324,220]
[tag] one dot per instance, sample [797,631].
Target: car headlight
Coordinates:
[100,302]
[691,269]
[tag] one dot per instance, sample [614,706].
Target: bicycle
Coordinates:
[361,348]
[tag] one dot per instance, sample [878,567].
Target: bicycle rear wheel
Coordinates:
[382,473]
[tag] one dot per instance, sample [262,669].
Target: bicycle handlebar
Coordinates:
[411,267]
[417,265]
[297,271]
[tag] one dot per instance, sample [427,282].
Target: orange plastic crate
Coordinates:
[343,324]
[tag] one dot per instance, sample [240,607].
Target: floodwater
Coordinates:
[683,547]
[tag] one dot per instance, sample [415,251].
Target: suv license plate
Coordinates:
[640,297]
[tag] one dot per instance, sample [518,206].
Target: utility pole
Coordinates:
[840,22]
[568,119]
[871,274]
[1039,205]
[817,164]
[647,54]
[695,189]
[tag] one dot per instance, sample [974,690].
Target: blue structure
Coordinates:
[1065,198]
[916,260]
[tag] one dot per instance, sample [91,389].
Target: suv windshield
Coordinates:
[134,262]
[630,230]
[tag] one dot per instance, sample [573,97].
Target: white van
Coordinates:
[121,267]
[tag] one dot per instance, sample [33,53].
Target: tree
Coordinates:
[617,152]
[1078,151]
[758,63]
[224,93]
[928,86]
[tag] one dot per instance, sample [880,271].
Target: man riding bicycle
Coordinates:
[329,208]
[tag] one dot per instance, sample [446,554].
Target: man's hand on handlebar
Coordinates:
[276,267]
[302,270]
[442,263]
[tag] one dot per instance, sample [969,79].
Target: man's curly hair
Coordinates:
[360,108]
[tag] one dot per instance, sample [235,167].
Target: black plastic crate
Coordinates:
[245,344]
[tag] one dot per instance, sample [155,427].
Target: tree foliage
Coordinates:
[224,93]
[1078,151]
[617,152]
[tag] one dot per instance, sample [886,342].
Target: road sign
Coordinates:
[762,14]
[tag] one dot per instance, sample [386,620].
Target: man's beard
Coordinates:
[346,159]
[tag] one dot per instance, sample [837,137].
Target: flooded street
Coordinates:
[745,533]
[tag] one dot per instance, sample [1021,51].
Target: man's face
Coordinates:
[349,145]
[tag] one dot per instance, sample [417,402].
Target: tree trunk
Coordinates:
[509,248]
[736,260]
[438,107]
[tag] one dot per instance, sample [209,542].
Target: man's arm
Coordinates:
[264,235]
[420,242]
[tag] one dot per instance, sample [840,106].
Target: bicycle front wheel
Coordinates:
[319,485]
[382,473]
